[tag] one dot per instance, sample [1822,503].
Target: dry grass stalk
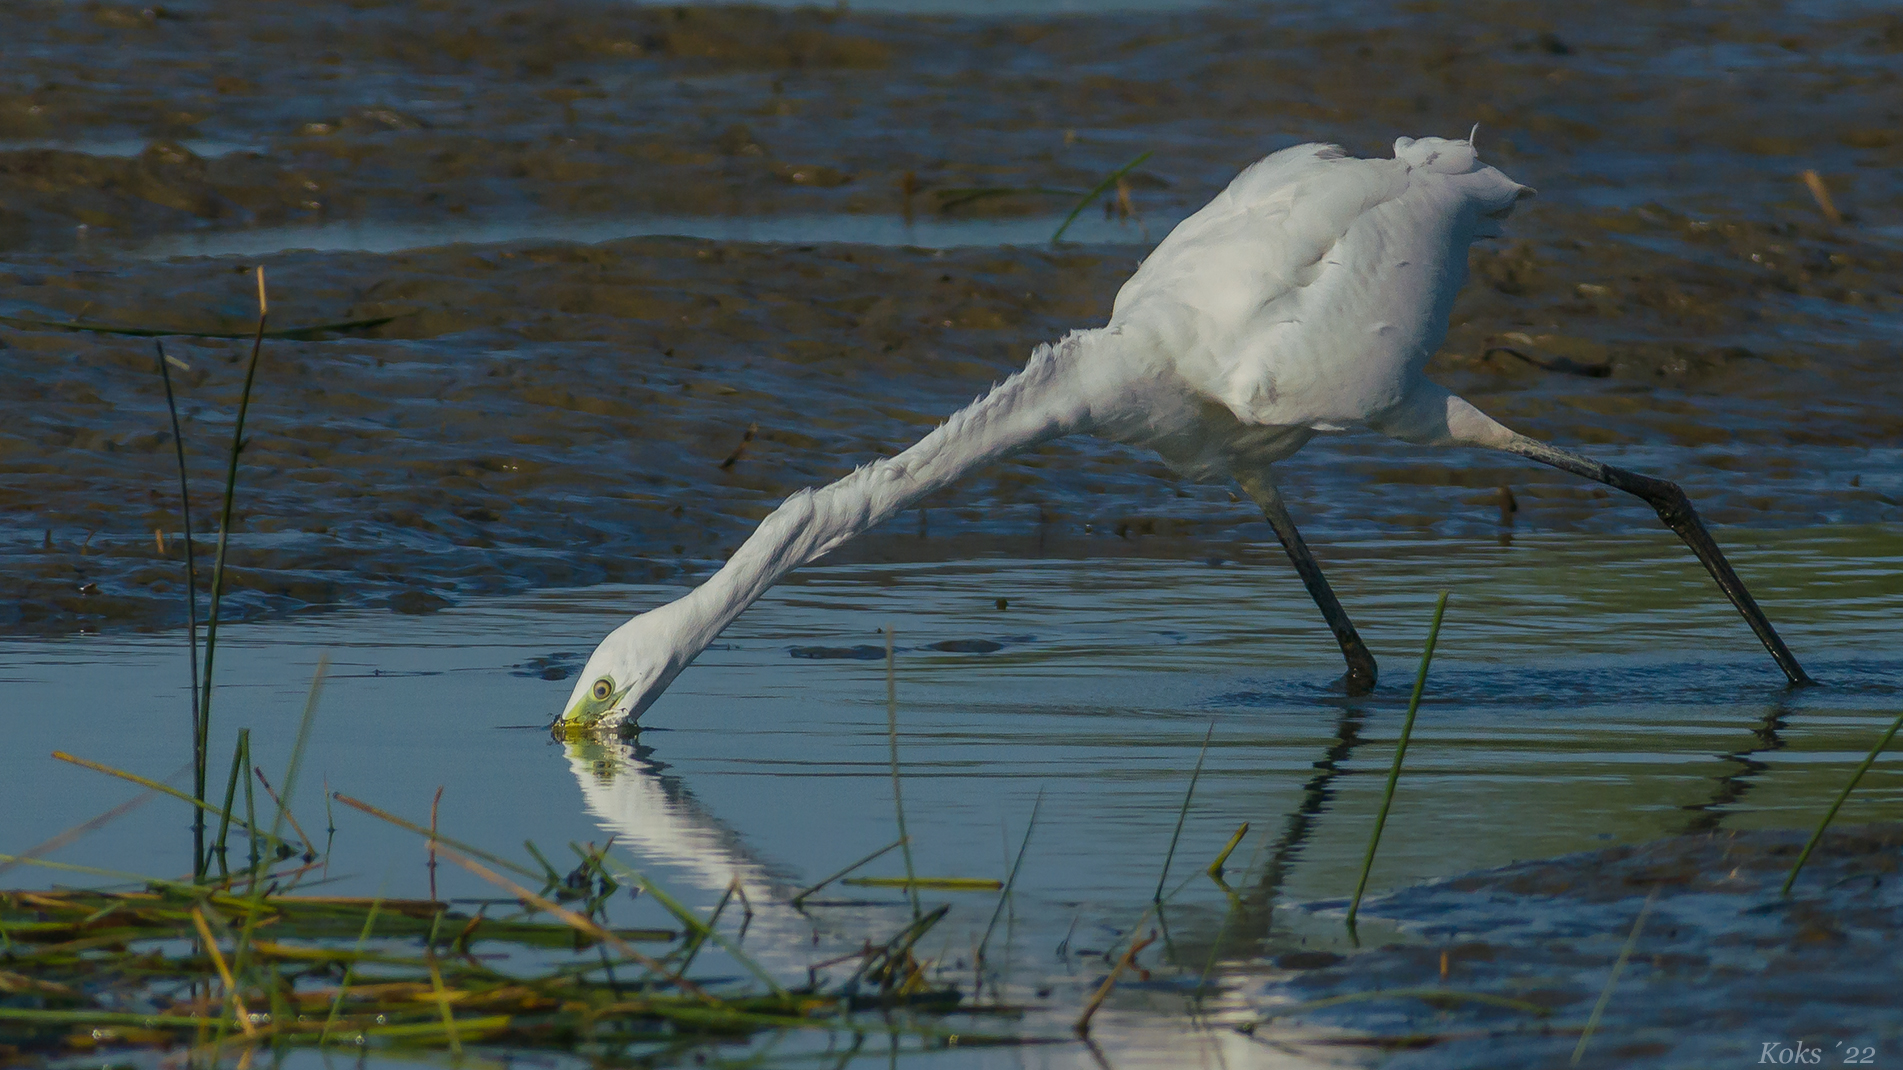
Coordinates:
[1821,194]
[1103,990]
[1216,868]
[310,849]
[1605,995]
[234,997]
[804,895]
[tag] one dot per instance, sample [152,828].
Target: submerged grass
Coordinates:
[203,965]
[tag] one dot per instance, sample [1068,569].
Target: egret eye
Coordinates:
[602,689]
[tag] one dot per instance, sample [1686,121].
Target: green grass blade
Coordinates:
[145,782]
[224,523]
[1182,814]
[694,924]
[697,941]
[802,897]
[898,796]
[343,986]
[200,759]
[55,843]
[474,852]
[1109,181]
[1862,767]
[1010,880]
[1400,752]
[1618,967]
[231,797]
[297,748]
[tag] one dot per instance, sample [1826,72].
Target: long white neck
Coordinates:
[1046,400]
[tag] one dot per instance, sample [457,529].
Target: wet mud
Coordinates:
[456,107]
[1505,967]
[543,413]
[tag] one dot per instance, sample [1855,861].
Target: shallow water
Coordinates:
[127,146]
[923,232]
[1006,8]
[1586,692]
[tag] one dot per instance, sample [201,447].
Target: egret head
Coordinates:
[624,676]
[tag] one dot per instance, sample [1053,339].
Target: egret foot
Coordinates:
[1359,679]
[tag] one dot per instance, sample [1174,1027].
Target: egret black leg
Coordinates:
[1361,668]
[1675,509]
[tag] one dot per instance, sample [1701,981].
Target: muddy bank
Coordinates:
[316,109]
[569,414]
[1721,966]
[537,413]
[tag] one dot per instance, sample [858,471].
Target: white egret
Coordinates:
[1306,297]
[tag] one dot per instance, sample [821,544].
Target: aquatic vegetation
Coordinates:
[214,970]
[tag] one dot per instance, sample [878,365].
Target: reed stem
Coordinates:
[1400,752]
[1103,991]
[1862,767]
[1010,882]
[1216,868]
[224,521]
[1618,967]
[898,796]
[1182,814]
[240,757]
[802,896]
[250,807]
[199,861]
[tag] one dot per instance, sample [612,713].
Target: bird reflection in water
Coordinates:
[659,821]
[675,840]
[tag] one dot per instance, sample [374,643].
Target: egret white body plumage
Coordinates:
[1306,297]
